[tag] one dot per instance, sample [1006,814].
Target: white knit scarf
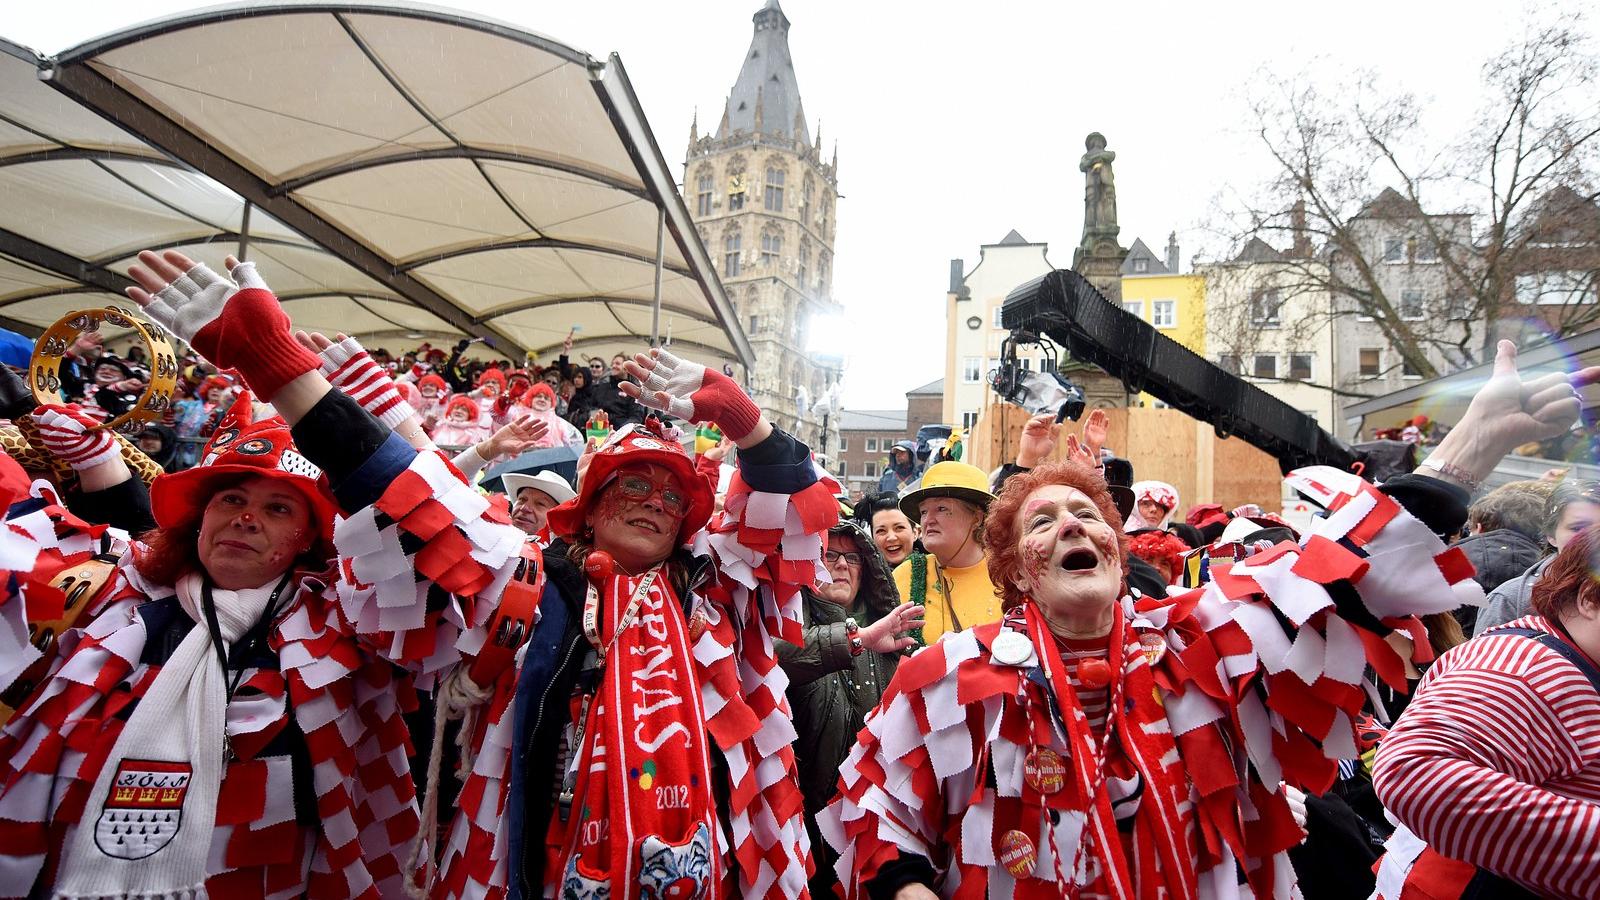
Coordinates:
[152,829]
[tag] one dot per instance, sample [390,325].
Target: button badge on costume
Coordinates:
[1017,854]
[144,810]
[1044,770]
[1155,646]
[1011,648]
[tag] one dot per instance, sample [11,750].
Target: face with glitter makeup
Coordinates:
[634,518]
[1070,563]
[251,532]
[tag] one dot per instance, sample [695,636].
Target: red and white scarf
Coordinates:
[1160,858]
[642,820]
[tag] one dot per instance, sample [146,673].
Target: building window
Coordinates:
[844,442]
[774,197]
[1264,308]
[971,370]
[1164,313]
[730,255]
[1370,364]
[869,469]
[703,191]
[968,419]
[804,264]
[1555,288]
[1134,307]
[1424,250]
[755,323]
[1300,367]
[1394,250]
[1230,363]
[872,445]
[1141,266]
[997,311]
[1458,308]
[1266,365]
[1407,370]
[822,272]
[1411,305]
[771,248]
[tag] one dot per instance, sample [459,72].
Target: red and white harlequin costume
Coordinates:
[1224,693]
[316,798]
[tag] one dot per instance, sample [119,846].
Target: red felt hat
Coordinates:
[636,445]
[241,447]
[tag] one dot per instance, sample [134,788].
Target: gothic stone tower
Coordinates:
[763,200]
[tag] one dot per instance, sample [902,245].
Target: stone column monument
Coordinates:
[1099,259]
[1099,256]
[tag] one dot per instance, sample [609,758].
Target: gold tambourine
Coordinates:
[44,369]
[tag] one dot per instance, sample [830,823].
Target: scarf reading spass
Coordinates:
[642,820]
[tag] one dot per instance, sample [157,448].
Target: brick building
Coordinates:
[865,438]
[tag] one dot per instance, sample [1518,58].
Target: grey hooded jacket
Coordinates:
[1511,600]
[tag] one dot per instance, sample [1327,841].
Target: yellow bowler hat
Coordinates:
[948,479]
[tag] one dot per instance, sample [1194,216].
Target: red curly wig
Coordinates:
[1002,533]
[1160,549]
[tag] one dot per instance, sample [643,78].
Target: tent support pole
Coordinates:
[661,250]
[244,232]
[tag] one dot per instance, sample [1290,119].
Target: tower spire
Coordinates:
[766,86]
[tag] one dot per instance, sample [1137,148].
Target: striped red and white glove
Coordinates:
[234,324]
[695,393]
[66,432]
[349,368]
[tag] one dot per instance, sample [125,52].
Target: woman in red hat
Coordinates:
[641,745]
[229,721]
[1093,744]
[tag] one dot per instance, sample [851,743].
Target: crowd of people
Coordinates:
[316,658]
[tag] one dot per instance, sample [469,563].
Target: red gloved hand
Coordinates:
[691,391]
[349,368]
[66,432]
[236,324]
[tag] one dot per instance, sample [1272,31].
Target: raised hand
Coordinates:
[348,368]
[515,437]
[1506,413]
[71,434]
[720,452]
[885,635]
[1078,453]
[1095,429]
[693,392]
[1038,440]
[234,324]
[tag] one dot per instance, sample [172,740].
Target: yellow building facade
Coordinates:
[1174,304]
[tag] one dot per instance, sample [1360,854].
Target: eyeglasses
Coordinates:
[639,489]
[595,367]
[850,559]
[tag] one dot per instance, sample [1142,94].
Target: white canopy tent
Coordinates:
[399,172]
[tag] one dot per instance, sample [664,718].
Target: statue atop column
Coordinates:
[1099,256]
[1100,189]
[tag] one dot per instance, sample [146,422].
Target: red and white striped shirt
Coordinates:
[1496,762]
[1093,700]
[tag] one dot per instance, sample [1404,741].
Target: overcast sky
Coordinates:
[958,122]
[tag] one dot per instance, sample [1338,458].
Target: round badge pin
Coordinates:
[1011,648]
[1094,673]
[1017,854]
[1044,770]
[1155,646]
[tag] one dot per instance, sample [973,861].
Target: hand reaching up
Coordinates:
[695,393]
[233,323]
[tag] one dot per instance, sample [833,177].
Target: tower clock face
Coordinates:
[736,183]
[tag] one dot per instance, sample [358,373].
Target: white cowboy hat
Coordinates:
[546,481]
